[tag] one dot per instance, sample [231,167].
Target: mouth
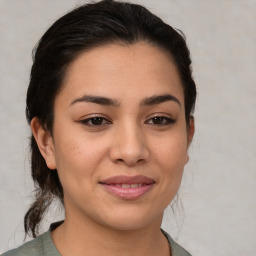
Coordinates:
[128,187]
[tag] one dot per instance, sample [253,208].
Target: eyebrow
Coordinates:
[153,100]
[157,99]
[98,100]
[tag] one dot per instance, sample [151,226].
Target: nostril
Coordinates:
[130,161]
[130,151]
[119,160]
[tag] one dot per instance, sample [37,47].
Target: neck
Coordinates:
[85,237]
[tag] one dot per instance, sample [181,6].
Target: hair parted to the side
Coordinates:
[80,30]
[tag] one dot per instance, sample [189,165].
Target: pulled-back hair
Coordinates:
[80,30]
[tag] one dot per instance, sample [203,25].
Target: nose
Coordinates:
[129,146]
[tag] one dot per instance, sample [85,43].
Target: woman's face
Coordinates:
[120,137]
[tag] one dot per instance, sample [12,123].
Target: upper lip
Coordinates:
[122,179]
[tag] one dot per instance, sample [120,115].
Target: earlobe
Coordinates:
[191,130]
[44,142]
[187,158]
[190,134]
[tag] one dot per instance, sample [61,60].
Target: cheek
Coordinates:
[77,170]
[171,151]
[76,158]
[171,157]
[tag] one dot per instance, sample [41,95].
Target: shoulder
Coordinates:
[40,246]
[176,249]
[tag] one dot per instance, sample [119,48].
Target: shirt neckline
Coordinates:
[50,246]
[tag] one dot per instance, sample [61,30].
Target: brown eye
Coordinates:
[95,121]
[160,120]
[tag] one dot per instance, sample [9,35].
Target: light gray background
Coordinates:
[219,186]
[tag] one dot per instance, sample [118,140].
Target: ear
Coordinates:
[190,134]
[191,130]
[44,142]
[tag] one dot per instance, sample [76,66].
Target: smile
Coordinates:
[126,187]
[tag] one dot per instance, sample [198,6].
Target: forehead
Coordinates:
[119,71]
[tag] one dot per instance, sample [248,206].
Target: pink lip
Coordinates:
[113,186]
[122,179]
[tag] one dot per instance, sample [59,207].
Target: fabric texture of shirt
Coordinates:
[43,246]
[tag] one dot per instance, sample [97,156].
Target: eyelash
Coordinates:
[96,118]
[167,120]
[164,121]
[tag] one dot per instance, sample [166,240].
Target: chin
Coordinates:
[127,225]
[131,220]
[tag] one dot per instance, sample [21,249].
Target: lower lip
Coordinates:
[128,193]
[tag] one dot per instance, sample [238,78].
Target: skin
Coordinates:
[126,140]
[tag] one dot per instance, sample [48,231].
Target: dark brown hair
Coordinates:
[80,30]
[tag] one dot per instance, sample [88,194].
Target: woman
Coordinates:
[110,105]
